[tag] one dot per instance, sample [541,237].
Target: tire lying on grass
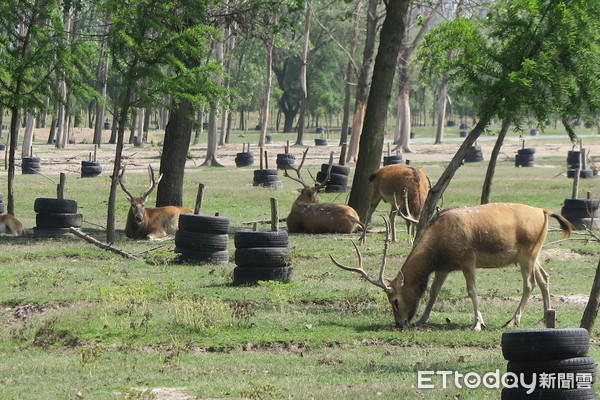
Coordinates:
[549,394]
[90,169]
[43,205]
[251,275]
[253,239]
[545,344]
[202,239]
[203,223]
[261,256]
[54,217]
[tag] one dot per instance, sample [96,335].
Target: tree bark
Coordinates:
[489,176]
[178,134]
[591,309]
[303,83]
[443,96]
[371,141]
[28,136]
[14,137]
[363,84]
[268,83]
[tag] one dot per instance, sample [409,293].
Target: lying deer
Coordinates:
[150,223]
[394,182]
[10,225]
[309,216]
[462,239]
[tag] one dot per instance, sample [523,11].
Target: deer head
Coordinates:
[138,203]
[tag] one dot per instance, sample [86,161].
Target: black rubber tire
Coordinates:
[201,241]
[584,365]
[259,180]
[284,160]
[90,171]
[31,160]
[578,213]
[203,223]
[533,132]
[463,133]
[270,183]
[573,159]
[87,163]
[258,257]
[523,161]
[587,204]
[528,150]
[252,275]
[265,172]
[1,197]
[252,239]
[58,220]
[545,344]
[583,173]
[334,179]
[396,159]
[244,159]
[30,167]
[320,142]
[463,126]
[2,146]
[51,232]
[191,256]
[337,188]
[585,223]
[474,154]
[44,205]
[548,394]
[336,169]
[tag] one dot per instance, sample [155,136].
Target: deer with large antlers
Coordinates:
[309,216]
[146,222]
[395,182]
[462,239]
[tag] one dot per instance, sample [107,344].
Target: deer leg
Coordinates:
[438,281]
[543,280]
[469,274]
[372,207]
[393,222]
[528,271]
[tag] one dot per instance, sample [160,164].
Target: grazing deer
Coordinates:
[310,216]
[461,239]
[10,226]
[398,181]
[150,223]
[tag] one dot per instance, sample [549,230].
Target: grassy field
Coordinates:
[82,323]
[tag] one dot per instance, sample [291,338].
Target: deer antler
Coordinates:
[379,282]
[319,185]
[408,216]
[153,182]
[297,170]
[120,179]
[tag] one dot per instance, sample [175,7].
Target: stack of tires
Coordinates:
[244,159]
[1,203]
[320,142]
[30,165]
[474,154]
[90,169]
[338,180]
[394,159]
[525,157]
[261,256]
[574,163]
[285,160]
[582,213]
[267,178]
[202,239]
[54,217]
[555,359]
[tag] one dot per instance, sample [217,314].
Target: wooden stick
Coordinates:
[104,246]
[95,152]
[575,184]
[199,197]
[60,188]
[261,158]
[266,160]
[274,215]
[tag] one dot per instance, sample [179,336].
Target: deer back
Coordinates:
[392,182]
[323,218]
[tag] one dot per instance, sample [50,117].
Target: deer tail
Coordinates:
[565,225]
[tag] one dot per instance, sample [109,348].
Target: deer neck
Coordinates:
[416,271]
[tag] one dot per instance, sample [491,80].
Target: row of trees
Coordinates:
[194,61]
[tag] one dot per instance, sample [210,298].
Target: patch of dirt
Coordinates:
[166,393]
[560,254]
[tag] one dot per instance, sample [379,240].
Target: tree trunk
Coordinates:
[348,75]
[404,108]
[268,83]
[178,134]
[303,84]
[102,89]
[489,176]
[28,136]
[591,309]
[371,141]
[364,81]
[211,147]
[443,96]
[14,138]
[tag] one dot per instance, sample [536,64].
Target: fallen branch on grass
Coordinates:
[103,246]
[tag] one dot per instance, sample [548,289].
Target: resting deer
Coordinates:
[150,223]
[10,225]
[310,216]
[398,181]
[462,239]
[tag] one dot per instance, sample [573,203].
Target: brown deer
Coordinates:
[10,225]
[309,216]
[462,239]
[398,182]
[150,223]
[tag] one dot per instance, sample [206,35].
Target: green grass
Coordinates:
[80,321]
